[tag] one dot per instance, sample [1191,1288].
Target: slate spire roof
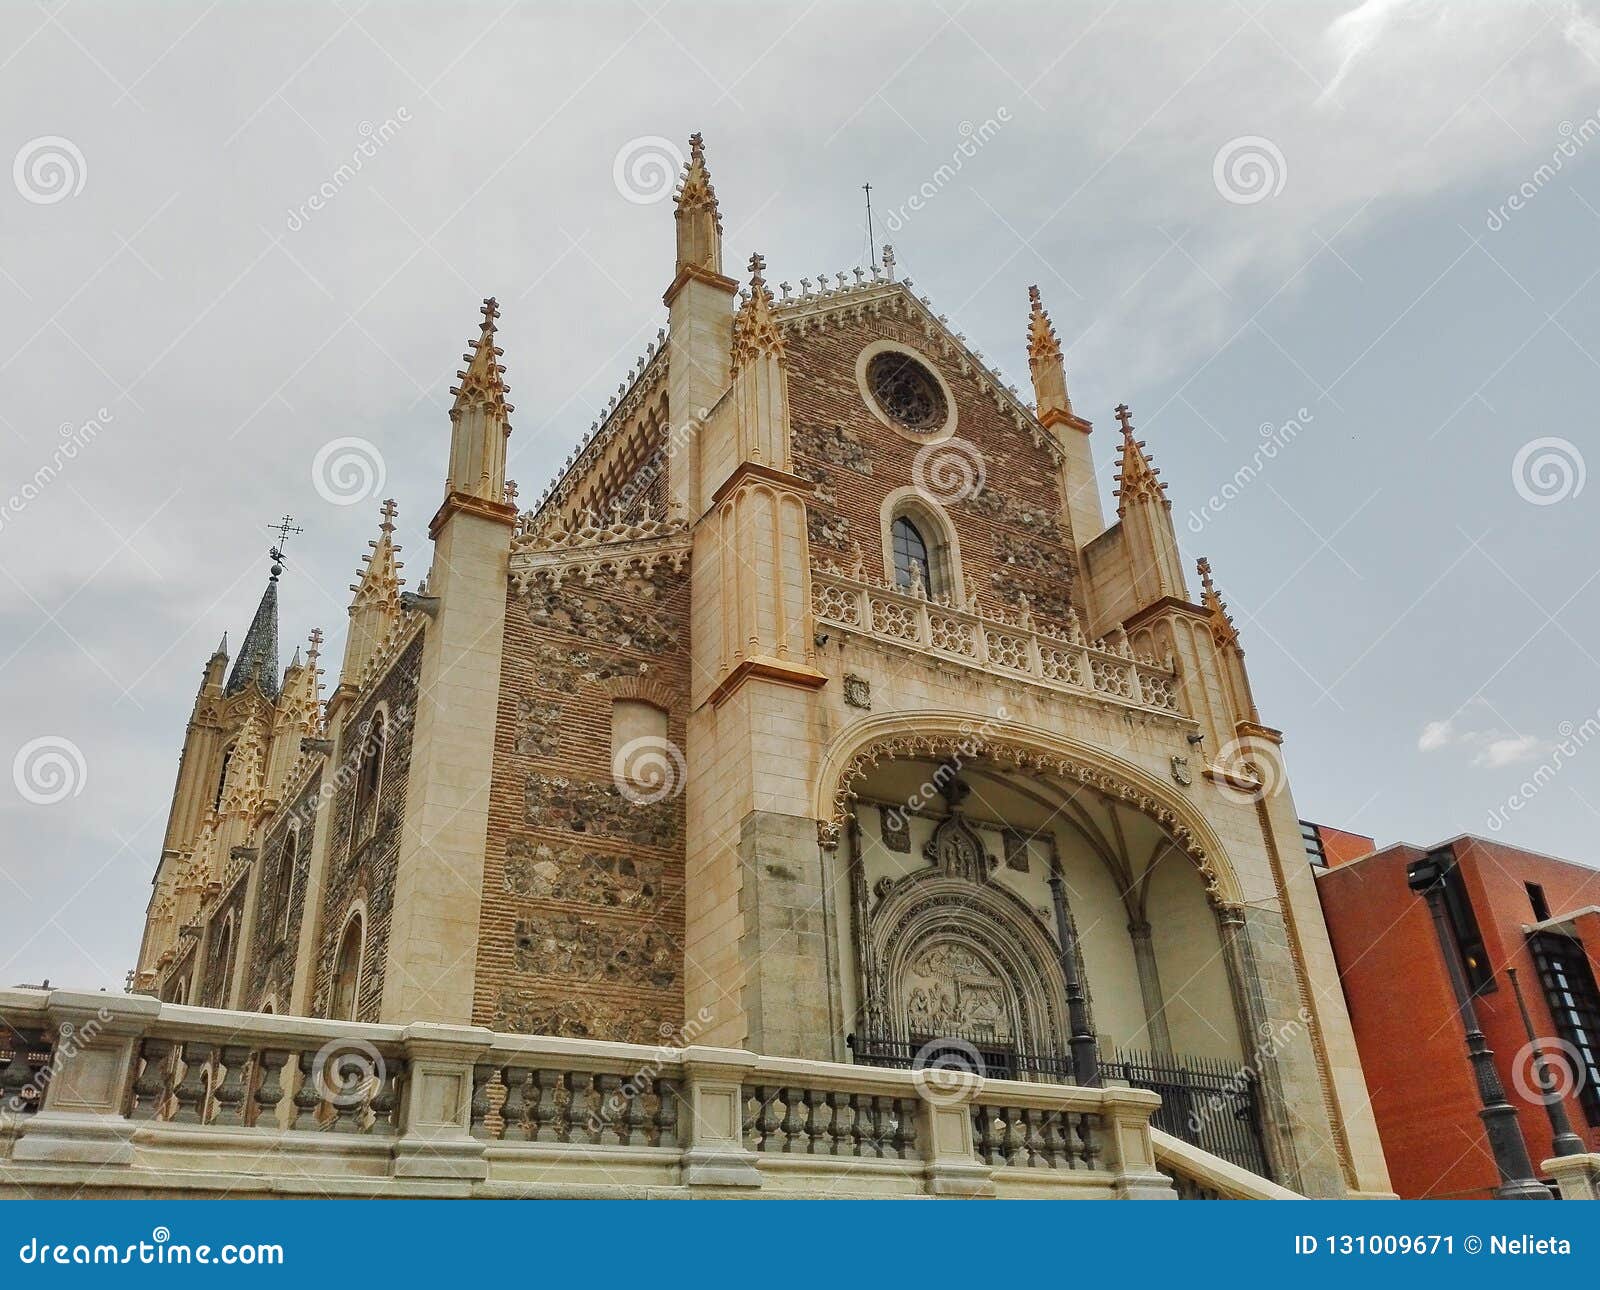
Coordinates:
[258,655]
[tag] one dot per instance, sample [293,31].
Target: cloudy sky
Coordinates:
[1377,222]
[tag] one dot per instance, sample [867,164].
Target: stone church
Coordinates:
[815,709]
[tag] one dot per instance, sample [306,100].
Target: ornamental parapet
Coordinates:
[125,1095]
[1008,645]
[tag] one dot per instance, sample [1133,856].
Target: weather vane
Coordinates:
[282,528]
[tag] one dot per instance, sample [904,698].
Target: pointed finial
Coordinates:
[491,312]
[315,647]
[755,332]
[1125,419]
[388,512]
[888,261]
[1203,566]
[222,647]
[697,146]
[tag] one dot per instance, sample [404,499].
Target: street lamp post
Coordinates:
[1085,1058]
[1427,876]
[1564,1142]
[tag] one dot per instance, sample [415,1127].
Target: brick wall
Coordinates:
[582,920]
[1009,532]
[364,869]
[270,972]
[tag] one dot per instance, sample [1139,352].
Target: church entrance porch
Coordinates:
[952,958]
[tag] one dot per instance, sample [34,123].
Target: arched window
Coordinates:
[286,878]
[911,565]
[919,546]
[347,972]
[369,777]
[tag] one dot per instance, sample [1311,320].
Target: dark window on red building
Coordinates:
[1570,991]
[1536,898]
[1469,940]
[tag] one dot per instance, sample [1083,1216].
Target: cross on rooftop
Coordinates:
[282,528]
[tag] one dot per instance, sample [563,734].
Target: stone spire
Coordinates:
[1223,630]
[478,418]
[375,606]
[1138,479]
[755,333]
[1146,518]
[258,656]
[1044,361]
[699,220]
[1230,656]
[300,705]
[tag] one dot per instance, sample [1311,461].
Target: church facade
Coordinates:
[817,709]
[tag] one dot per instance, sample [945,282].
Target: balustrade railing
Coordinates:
[329,1087]
[148,1093]
[833,1122]
[1013,644]
[540,1102]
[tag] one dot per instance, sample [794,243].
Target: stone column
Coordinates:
[1155,1001]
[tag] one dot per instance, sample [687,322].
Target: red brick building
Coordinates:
[1508,909]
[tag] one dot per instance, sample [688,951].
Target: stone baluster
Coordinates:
[1087,1125]
[1033,1139]
[666,1118]
[190,1093]
[886,1128]
[749,1110]
[514,1111]
[268,1091]
[637,1121]
[544,1120]
[794,1105]
[839,1120]
[816,1122]
[482,1076]
[863,1125]
[385,1098]
[1056,1147]
[906,1136]
[767,1120]
[230,1092]
[611,1118]
[153,1085]
[307,1096]
[579,1128]
[1014,1138]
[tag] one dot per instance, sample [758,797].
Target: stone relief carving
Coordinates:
[857,691]
[949,990]
[896,830]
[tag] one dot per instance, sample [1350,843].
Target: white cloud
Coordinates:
[1436,735]
[1492,749]
[1507,750]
